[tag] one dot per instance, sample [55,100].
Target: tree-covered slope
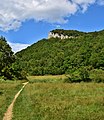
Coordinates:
[57,56]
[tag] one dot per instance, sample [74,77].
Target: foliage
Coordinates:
[82,74]
[97,75]
[7,58]
[56,57]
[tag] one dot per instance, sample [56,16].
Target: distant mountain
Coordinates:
[64,52]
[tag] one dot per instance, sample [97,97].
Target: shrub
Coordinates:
[82,74]
[97,75]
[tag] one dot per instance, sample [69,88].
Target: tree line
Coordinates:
[81,58]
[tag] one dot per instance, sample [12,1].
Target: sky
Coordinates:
[24,22]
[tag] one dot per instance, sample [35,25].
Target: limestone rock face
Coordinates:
[56,35]
[53,35]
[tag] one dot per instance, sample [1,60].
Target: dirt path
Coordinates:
[8,115]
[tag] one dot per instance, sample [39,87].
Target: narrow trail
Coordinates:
[9,113]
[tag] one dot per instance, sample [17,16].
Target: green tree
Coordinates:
[7,58]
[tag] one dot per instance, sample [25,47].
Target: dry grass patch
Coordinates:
[47,79]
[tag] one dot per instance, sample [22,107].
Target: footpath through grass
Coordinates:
[60,101]
[8,89]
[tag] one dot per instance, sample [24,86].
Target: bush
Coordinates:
[82,74]
[97,75]
[72,78]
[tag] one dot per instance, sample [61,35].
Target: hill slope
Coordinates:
[60,56]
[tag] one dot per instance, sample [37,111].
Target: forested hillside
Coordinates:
[56,56]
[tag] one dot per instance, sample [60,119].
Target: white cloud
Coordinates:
[84,4]
[101,2]
[14,12]
[18,46]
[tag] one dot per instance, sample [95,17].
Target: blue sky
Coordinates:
[23,25]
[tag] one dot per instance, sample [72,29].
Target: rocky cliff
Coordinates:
[64,34]
[57,35]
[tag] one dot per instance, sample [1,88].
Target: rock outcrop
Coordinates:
[56,35]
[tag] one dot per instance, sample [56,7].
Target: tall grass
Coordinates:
[47,79]
[61,101]
[8,89]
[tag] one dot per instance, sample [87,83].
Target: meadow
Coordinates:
[47,79]
[59,101]
[8,89]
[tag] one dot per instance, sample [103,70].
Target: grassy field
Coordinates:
[60,101]
[47,79]
[8,89]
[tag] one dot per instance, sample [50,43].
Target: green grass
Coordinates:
[8,89]
[60,101]
[47,79]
